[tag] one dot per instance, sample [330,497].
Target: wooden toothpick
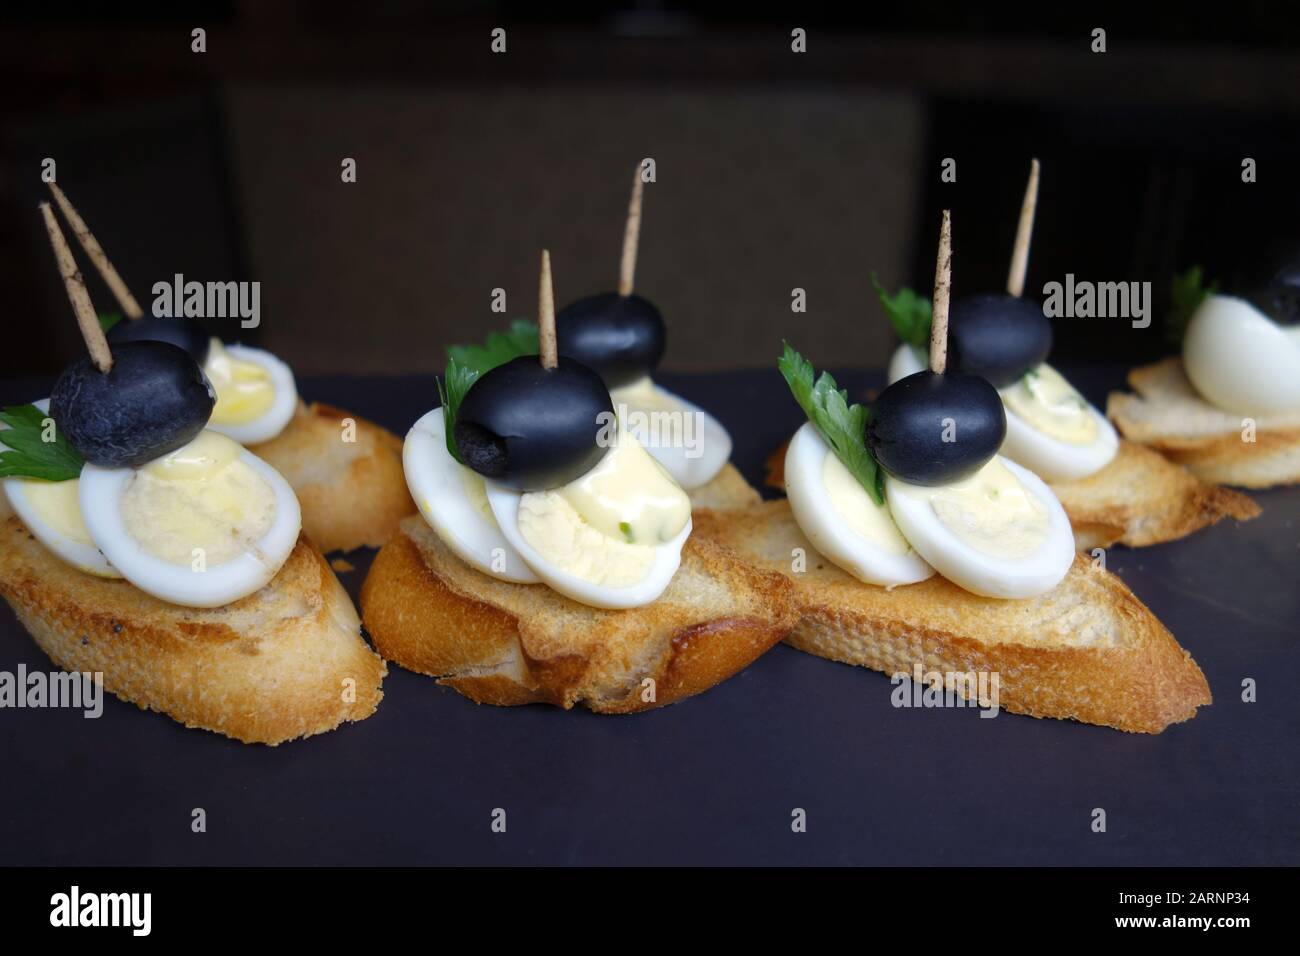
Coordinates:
[631,236]
[87,320]
[1024,232]
[942,295]
[125,299]
[549,353]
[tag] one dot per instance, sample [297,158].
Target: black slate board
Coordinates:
[713,780]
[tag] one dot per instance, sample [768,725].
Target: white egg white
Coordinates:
[269,424]
[216,585]
[82,555]
[1241,360]
[906,361]
[437,483]
[690,467]
[1050,458]
[1053,459]
[14,499]
[667,558]
[6,510]
[974,570]
[829,533]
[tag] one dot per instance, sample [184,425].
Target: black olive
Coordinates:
[182,332]
[152,401]
[534,428]
[929,429]
[997,337]
[1277,292]
[621,336]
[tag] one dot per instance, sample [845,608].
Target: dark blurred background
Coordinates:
[775,170]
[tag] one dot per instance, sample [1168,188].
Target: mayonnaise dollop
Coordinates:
[201,496]
[1044,398]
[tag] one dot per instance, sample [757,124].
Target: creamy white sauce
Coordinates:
[553,527]
[857,509]
[1046,400]
[629,496]
[244,390]
[57,504]
[991,511]
[201,496]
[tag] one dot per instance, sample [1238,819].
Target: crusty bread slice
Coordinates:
[1168,414]
[506,644]
[1088,650]
[1142,498]
[285,662]
[727,489]
[1139,498]
[353,493]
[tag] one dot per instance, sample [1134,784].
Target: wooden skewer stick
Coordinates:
[125,299]
[546,315]
[88,321]
[631,236]
[1024,232]
[942,295]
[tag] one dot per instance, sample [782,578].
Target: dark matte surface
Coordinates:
[714,779]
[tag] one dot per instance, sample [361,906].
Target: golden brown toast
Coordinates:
[1168,414]
[285,662]
[1142,498]
[506,644]
[1088,650]
[727,489]
[353,493]
[1139,498]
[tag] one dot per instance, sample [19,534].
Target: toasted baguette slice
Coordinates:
[728,489]
[285,662]
[1140,498]
[1168,414]
[353,493]
[1088,650]
[507,644]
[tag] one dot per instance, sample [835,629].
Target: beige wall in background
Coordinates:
[458,190]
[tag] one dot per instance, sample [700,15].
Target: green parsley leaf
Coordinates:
[841,424]
[1186,293]
[27,452]
[908,312]
[465,363]
[627,531]
[109,319]
[451,389]
[500,347]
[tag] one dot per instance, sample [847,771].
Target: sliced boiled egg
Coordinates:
[681,436]
[1053,430]
[1241,360]
[51,511]
[906,360]
[841,520]
[202,526]
[256,394]
[1001,532]
[453,500]
[610,539]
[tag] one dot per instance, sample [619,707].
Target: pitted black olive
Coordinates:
[997,337]
[1275,290]
[182,332]
[620,336]
[534,428]
[934,429]
[152,401]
